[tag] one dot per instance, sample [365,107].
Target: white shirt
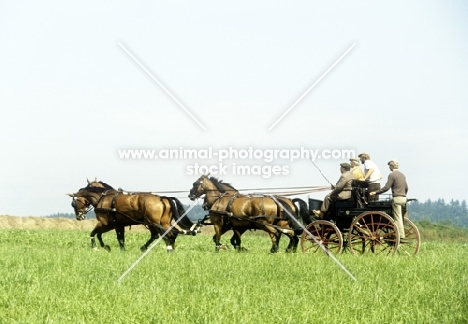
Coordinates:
[376,175]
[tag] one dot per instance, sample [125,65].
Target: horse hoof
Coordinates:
[107,248]
[143,249]
[95,248]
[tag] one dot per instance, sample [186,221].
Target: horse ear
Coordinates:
[89,182]
[70,194]
[95,179]
[208,174]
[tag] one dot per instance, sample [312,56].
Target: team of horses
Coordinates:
[166,217]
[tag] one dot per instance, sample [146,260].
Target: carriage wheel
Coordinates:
[412,241]
[326,235]
[373,232]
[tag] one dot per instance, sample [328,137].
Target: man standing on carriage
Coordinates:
[341,191]
[372,174]
[396,181]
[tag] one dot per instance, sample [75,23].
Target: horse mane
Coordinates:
[98,189]
[106,186]
[219,184]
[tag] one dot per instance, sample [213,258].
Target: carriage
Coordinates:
[359,226]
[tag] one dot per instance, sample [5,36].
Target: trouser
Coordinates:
[397,204]
[326,203]
[373,187]
[328,200]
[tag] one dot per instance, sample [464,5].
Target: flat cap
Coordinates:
[346,166]
[395,163]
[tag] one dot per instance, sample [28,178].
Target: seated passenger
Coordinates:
[356,169]
[341,191]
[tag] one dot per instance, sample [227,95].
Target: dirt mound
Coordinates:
[14,222]
[31,222]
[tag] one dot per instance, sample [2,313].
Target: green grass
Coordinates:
[54,277]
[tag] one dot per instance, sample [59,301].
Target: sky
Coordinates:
[80,81]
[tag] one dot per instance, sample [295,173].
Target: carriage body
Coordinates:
[359,226]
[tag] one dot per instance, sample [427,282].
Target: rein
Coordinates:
[114,210]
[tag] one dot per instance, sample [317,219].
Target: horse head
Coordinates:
[81,206]
[87,197]
[198,188]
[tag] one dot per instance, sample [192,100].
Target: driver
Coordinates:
[341,191]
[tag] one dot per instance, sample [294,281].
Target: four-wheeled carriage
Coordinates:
[360,227]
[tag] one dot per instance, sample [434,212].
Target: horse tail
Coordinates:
[178,210]
[289,213]
[303,211]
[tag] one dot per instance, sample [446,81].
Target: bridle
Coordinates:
[81,215]
[195,194]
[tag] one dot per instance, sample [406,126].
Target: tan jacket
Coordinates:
[343,186]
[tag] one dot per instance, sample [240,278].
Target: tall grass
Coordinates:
[54,277]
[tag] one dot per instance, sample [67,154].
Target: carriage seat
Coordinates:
[358,196]
[360,193]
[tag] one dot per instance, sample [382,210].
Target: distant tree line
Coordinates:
[438,211]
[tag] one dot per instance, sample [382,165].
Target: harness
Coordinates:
[113,211]
[253,219]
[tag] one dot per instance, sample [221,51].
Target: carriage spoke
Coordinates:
[324,235]
[373,232]
[412,241]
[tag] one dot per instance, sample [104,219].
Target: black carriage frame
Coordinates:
[360,225]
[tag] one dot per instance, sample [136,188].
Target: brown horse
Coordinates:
[115,209]
[230,210]
[81,207]
[300,211]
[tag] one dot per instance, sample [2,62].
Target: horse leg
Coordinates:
[217,238]
[154,235]
[220,228]
[120,232]
[274,236]
[293,242]
[170,239]
[101,242]
[236,239]
[99,229]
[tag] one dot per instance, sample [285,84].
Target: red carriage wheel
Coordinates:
[373,232]
[412,241]
[321,234]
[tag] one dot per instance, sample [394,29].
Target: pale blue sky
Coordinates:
[70,97]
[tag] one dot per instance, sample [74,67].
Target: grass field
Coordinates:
[52,276]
